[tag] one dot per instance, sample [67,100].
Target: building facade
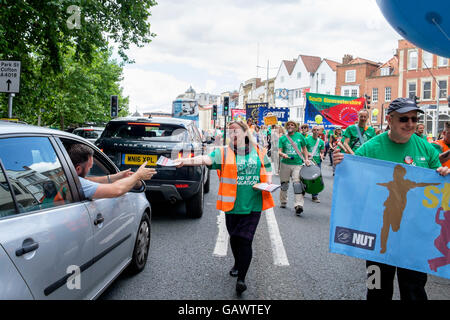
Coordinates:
[426,76]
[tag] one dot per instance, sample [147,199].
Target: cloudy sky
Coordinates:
[213,44]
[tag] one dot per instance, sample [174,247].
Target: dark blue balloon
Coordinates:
[425,23]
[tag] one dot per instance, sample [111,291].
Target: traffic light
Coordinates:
[226,105]
[114,106]
[367,100]
[214,112]
[416,99]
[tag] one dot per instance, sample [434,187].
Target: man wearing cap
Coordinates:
[289,146]
[400,145]
[356,135]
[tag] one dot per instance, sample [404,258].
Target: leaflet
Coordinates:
[266,187]
[165,162]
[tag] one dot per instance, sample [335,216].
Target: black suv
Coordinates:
[131,141]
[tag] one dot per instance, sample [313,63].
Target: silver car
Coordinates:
[89,133]
[54,243]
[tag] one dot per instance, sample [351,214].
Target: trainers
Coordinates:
[316,199]
[298,210]
[234,272]
[240,287]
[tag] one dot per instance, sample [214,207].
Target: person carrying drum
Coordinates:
[291,162]
[316,150]
[240,165]
[357,134]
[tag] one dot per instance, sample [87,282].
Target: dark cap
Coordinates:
[403,105]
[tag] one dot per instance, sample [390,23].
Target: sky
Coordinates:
[215,45]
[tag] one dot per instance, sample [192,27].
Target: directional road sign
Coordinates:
[9,76]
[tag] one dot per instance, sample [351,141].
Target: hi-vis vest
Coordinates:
[444,147]
[228,182]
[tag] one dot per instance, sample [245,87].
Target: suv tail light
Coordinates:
[190,155]
[179,186]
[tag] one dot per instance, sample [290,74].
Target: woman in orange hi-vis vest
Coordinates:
[240,166]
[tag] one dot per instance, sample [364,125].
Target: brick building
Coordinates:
[351,76]
[420,74]
[382,87]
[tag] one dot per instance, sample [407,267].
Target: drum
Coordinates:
[311,177]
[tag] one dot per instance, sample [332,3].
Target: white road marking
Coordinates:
[221,247]
[278,251]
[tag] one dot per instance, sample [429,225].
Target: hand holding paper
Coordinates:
[165,162]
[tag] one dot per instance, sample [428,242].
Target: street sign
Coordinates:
[9,76]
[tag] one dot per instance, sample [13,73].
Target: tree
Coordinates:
[66,67]
[47,28]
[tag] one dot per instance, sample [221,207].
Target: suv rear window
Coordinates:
[88,133]
[145,131]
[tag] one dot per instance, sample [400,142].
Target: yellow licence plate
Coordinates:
[138,159]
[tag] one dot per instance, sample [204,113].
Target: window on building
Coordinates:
[350,76]
[442,62]
[427,59]
[385,71]
[299,75]
[346,93]
[426,90]
[322,78]
[354,92]
[374,118]
[442,89]
[375,94]
[412,60]
[296,94]
[387,94]
[412,90]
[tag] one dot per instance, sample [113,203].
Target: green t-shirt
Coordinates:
[310,144]
[248,166]
[416,151]
[286,147]
[330,133]
[352,134]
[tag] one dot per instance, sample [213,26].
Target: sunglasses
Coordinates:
[406,119]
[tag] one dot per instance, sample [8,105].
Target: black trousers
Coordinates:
[411,283]
[242,228]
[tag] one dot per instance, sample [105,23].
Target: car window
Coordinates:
[35,173]
[100,166]
[7,207]
[89,133]
[145,131]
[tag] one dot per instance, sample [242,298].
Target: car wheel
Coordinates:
[206,186]
[194,206]
[141,246]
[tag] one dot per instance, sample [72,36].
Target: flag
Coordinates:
[335,110]
[391,213]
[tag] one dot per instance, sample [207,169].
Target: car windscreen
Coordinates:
[145,131]
[88,133]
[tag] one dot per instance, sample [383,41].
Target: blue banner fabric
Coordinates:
[282,114]
[391,213]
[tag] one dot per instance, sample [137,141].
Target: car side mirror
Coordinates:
[139,189]
[208,140]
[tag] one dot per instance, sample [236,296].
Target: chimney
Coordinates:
[347,58]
